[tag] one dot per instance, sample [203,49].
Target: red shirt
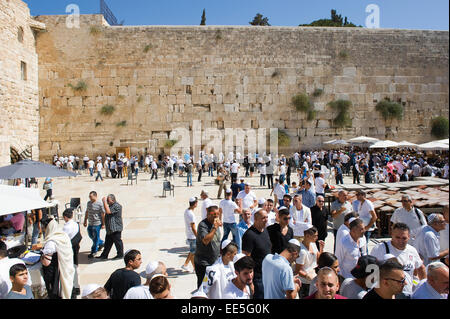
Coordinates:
[336,296]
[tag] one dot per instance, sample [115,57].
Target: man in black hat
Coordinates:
[356,288]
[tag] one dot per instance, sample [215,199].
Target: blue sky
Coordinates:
[401,14]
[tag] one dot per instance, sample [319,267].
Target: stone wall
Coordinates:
[163,77]
[19,98]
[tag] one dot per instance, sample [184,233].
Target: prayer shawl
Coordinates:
[65,257]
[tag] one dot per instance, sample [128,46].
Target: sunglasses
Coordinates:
[399,281]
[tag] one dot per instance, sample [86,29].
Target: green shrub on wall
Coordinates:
[301,102]
[107,109]
[283,139]
[121,124]
[389,110]
[81,86]
[342,119]
[439,127]
[170,143]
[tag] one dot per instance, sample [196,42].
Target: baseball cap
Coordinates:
[225,243]
[360,269]
[261,201]
[88,289]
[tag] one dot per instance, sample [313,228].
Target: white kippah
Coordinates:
[352,219]
[238,257]
[294,242]
[88,289]
[225,243]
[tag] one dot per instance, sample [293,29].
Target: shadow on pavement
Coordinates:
[174,273]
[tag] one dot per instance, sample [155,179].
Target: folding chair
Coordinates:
[168,187]
[75,204]
[131,178]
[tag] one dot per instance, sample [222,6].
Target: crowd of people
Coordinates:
[245,247]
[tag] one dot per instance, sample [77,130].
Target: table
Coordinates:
[14,240]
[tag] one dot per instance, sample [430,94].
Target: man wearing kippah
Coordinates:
[427,241]
[143,291]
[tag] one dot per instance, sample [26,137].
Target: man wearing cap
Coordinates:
[411,216]
[191,232]
[124,278]
[301,218]
[308,196]
[406,255]
[143,291]
[208,242]
[356,288]
[222,271]
[428,240]
[241,287]
[247,198]
[391,281]
[256,244]
[277,275]
[204,195]
[351,248]
[228,209]
[280,233]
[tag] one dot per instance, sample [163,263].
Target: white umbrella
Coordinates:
[363,139]
[18,199]
[339,142]
[384,144]
[407,144]
[433,146]
[329,142]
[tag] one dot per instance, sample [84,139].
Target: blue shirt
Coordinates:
[425,291]
[308,198]
[277,277]
[242,228]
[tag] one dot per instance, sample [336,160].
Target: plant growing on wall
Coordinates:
[389,110]
[147,48]
[283,139]
[95,30]
[107,109]
[303,104]
[140,99]
[343,54]
[317,92]
[81,86]
[342,119]
[121,124]
[170,143]
[439,127]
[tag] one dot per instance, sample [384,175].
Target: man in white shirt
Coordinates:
[366,212]
[339,209]
[406,255]
[352,247]
[206,203]
[428,242]
[72,229]
[278,192]
[241,287]
[234,171]
[221,272]
[247,198]
[191,232]
[99,168]
[91,165]
[320,185]
[344,229]
[154,169]
[436,285]
[411,216]
[301,218]
[143,291]
[228,209]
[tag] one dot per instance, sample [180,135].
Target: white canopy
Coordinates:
[363,139]
[444,141]
[384,144]
[433,146]
[407,144]
[15,199]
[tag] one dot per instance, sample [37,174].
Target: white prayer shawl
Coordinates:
[65,257]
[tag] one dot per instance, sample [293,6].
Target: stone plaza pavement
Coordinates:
[152,224]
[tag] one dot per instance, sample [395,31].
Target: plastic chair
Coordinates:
[168,187]
[75,205]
